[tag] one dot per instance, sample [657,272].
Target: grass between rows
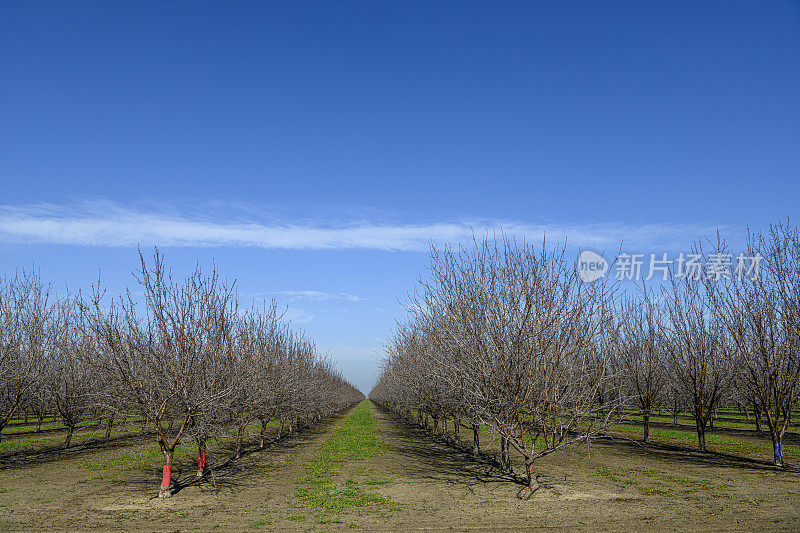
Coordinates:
[31,428]
[323,487]
[36,442]
[689,420]
[652,482]
[756,447]
[753,446]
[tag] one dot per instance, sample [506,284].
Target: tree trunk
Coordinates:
[530,476]
[69,436]
[777,449]
[166,477]
[647,427]
[239,438]
[108,427]
[39,419]
[201,457]
[675,411]
[263,438]
[476,440]
[757,416]
[505,458]
[701,437]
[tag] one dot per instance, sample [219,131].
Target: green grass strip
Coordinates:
[356,439]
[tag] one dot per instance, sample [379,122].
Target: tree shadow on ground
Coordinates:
[790,437]
[674,453]
[231,474]
[433,457]
[56,452]
[430,456]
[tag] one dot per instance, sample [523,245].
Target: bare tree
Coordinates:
[642,353]
[700,352]
[512,334]
[26,313]
[196,367]
[761,312]
[164,360]
[71,382]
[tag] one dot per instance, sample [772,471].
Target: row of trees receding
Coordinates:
[182,355]
[508,337]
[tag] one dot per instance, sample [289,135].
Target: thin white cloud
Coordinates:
[298,316]
[109,224]
[319,296]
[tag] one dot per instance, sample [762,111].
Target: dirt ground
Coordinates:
[418,482]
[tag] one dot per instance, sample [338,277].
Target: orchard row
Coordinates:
[182,355]
[507,336]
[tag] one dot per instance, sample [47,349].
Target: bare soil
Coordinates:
[427,484]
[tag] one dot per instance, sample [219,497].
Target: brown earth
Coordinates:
[429,484]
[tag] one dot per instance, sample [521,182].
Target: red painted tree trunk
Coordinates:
[166,478]
[201,458]
[201,463]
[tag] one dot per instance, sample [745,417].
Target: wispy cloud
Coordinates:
[319,296]
[298,316]
[110,224]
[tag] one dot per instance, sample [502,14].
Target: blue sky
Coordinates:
[313,148]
